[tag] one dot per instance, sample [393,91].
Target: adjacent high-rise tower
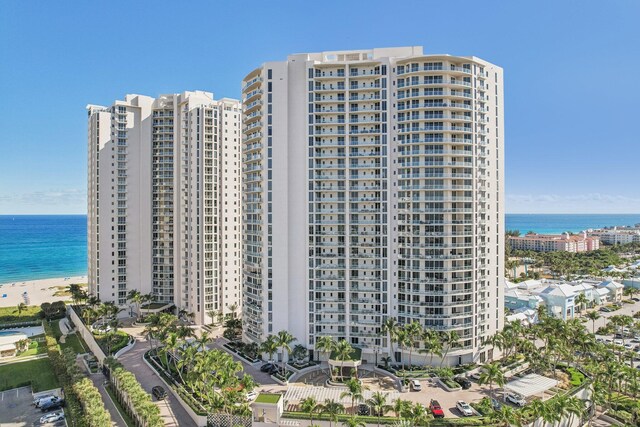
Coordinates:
[164,201]
[373,187]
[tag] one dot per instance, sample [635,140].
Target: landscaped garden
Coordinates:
[208,380]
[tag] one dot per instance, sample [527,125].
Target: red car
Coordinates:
[436,409]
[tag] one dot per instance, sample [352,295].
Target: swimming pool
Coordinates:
[6,333]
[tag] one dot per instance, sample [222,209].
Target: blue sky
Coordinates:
[571,80]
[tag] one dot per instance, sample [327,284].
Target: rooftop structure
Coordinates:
[555,242]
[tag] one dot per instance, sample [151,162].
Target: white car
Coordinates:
[38,400]
[52,417]
[516,399]
[251,396]
[415,385]
[629,346]
[617,342]
[464,407]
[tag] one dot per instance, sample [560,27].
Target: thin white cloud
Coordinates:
[44,202]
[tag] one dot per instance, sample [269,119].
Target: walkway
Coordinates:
[171,410]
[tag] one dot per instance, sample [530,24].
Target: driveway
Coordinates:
[171,410]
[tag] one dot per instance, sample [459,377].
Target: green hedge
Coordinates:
[469,421]
[131,395]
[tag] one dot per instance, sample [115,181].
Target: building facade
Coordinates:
[555,242]
[164,201]
[617,236]
[373,186]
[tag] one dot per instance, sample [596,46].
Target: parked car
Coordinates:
[52,417]
[436,409]
[516,399]
[464,408]
[475,376]
[495,404]
[44,399]
[266,367]
[636,299]
[364,410]
[415,385]
[251,396]
[159,392]
[464,382]
[52,405]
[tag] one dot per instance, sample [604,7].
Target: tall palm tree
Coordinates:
[581,301]
[21,307]
[491,373]
[378,404]
[269,346]
[325,345]
[310,406]
[450,339]
[389,326]
[343,352]
[353,392]
[332,409]
[432,344]
[135,297]
[593,316]
[400,407]
[284,339]
[414,333]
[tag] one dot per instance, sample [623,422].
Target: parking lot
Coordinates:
[17,410]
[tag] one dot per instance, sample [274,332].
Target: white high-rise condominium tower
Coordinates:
[373,188]
[164,201]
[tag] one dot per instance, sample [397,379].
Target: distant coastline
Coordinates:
[35,247]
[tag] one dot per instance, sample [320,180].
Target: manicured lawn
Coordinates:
[38,373]
[34,348]
[10,314]
[73,342]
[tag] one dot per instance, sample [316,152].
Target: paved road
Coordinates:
[98,380]
[172,412]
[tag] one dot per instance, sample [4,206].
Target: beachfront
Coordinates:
[36,292]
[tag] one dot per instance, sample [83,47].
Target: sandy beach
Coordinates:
[37,291]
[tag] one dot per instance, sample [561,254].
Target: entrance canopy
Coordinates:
[531,385]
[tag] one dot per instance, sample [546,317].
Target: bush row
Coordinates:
[83,401]
[132,396]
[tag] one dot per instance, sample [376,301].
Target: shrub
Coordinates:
[131,394]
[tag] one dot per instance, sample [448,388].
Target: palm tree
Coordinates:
[400,407]
[203,340]
[418,414]
[284,339]
[269,346]
[332,409]
[450,339]
[354,422]
[310,406]
[506,417]
[414,332]
[21,307]
[343,352]
[593,316]
[354,392]
[325,345]
[389,326]
[135,297]
[491,373]
[378,404]
[581,301]
[432,344]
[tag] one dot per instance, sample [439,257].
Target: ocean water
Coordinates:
[43,246]
[559,223]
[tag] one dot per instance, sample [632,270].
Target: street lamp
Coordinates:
[376,350]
